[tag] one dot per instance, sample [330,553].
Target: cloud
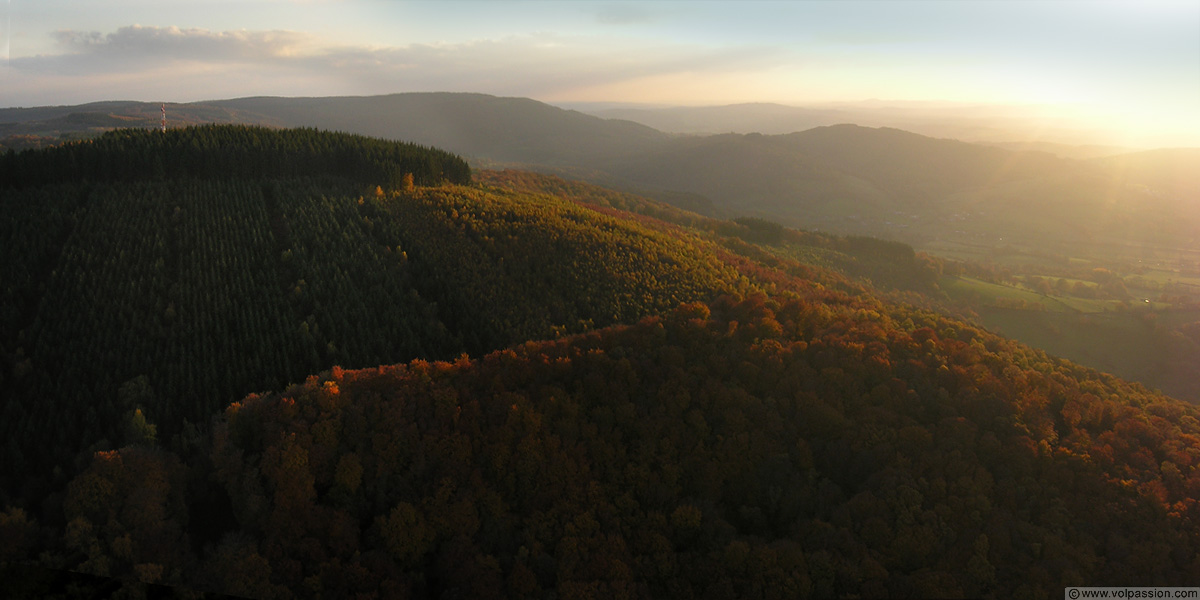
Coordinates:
[176,43]
[531,65]
[204,64]
[623,14]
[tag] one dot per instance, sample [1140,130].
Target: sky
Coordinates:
[1130,67]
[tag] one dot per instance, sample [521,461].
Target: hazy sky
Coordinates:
[1136,64]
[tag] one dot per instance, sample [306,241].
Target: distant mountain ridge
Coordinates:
[475,125]
[840,177]
[478,126]
[758,117]
[989,125]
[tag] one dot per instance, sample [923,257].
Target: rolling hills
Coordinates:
[841,178]
[279,382]
[477,126]
[984,125]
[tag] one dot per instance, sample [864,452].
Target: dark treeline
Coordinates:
[223,151]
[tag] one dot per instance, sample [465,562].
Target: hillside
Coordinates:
[878,263]
[321,384]
[1093,324]
[131,290]
[802,447]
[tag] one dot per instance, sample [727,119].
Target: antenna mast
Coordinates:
[163,128]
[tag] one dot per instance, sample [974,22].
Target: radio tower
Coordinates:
[163,128]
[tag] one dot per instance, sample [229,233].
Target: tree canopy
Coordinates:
[307,380]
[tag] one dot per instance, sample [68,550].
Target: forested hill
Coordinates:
[228,151]
[812,445]
[131,299]
[319,386]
